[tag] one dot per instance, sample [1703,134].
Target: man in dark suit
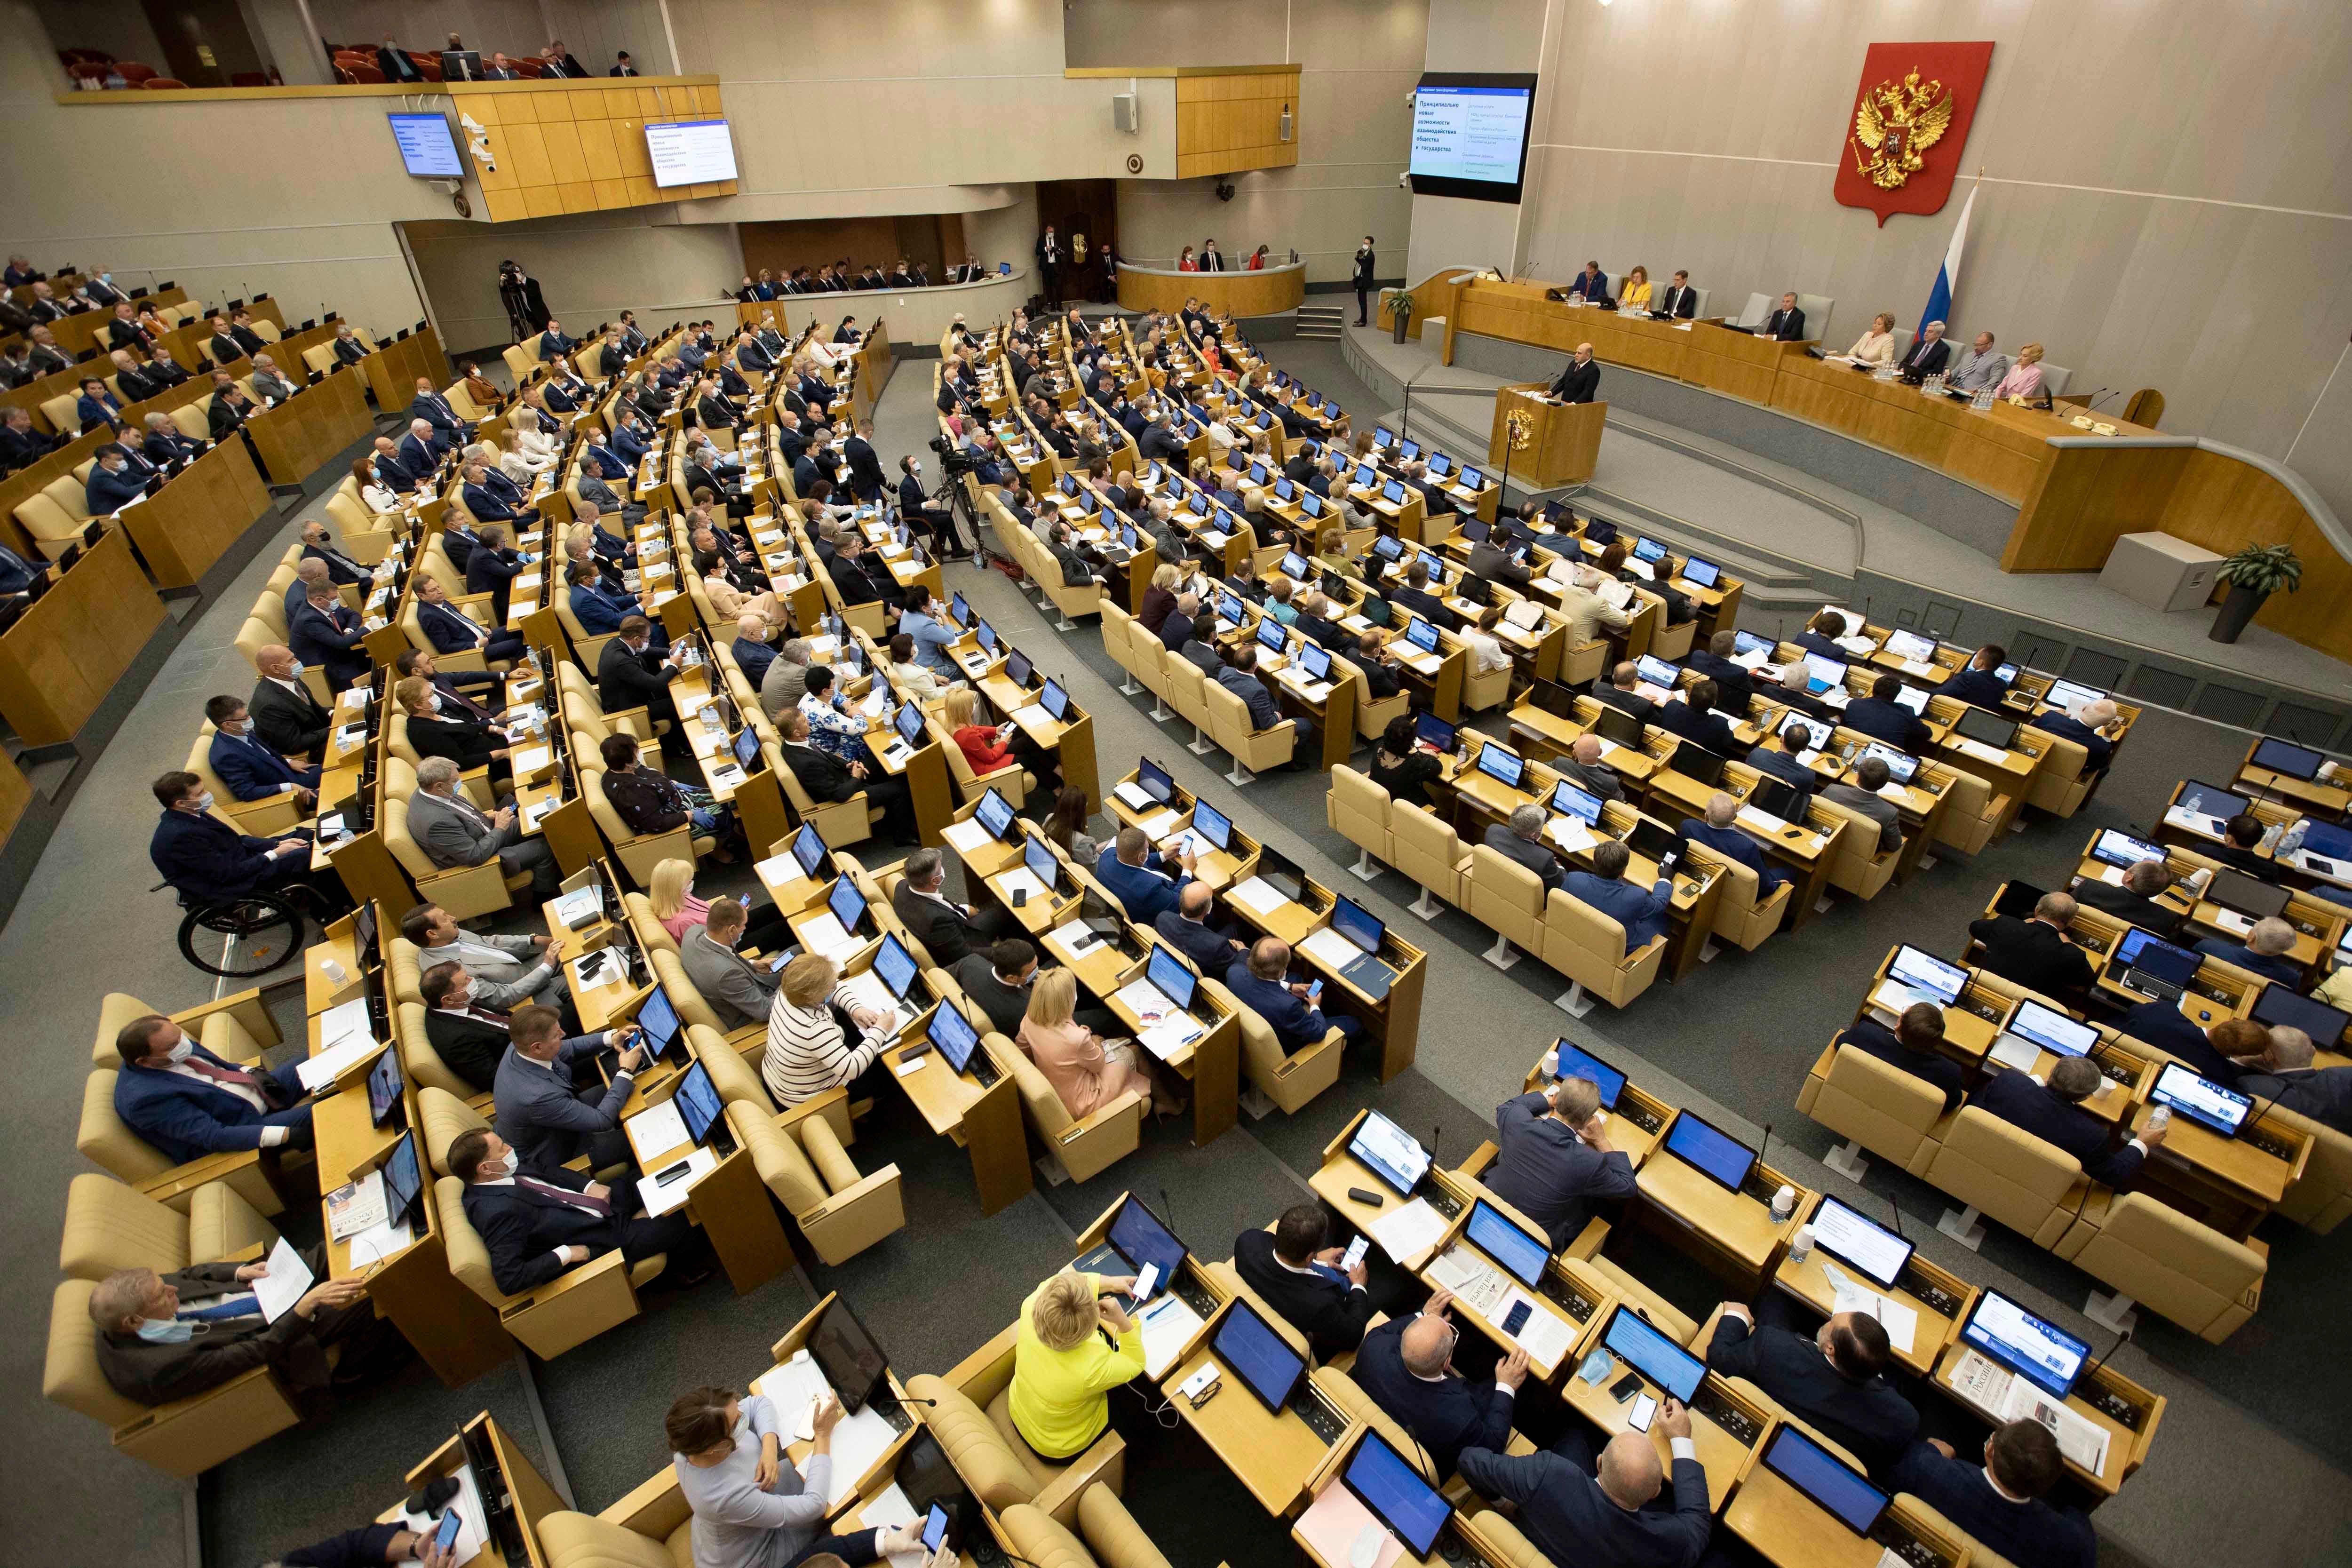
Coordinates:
[1776,757]
[209,861]
[1911,1046]
[1555,1158]
[1786,324]
[1718,829]
[2134,899]
[1641,913]
[2264,953]
[288,718]
[161,1339]
[1406,1367]
[1579,379]
[229,411]
[327,633]
[1521,840]
[1239,677]
[1928,353]
[855,584]
[492,570]
[1376,665]
[2093,726]
[429,406]
[1491,563]
[349,349]
[1618,692]
[1979,683]
[552,342]
[112,484]
[1879,716]
[247,766]
[2242,835]
[1837,1380]
[2283,1074]
[866,480]
[2036,952]
[623,66]
[540,1112]
[469,1038]
[20,444]
[2053,1112]
[1258,981]
[1186,928]
[540,1219]
[629,675]
[1696,720]
[2217,1053]
[1680,300]
[1593,1510]
[948,930]
[188,1102]
[1415,597]
[1361,280]
[419,453]
[164,447]
[830,781]
[1134,873]
[1295,1273]
[451,631]
[1592,284]
[1999,1503]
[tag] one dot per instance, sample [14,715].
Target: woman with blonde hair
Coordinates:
[670,896]
[519,465]
[536,426]
[1635,294]
[1875,346]
[1062,1371]
[2025,378]
[1085,1072]
[1160,598]
[808,1051]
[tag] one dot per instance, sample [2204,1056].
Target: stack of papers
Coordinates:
[1899,1321]
[319,1072]
[345,1022]
[824,937]
[1976,749]
[794,1389]
[1160,823]
[1569,834]
[1408,1232]
[1145,1000]
[1256,895]
[887,1510]
[778,869]
[1896,997]
[1132,794]
[858,1442]
[1073,937]
[1165,1038]
[1337,1520]
[1762,821]
[378,1242]
[655,1130]
[1329,947]
[1167,1326]
[2011,1051]
[355,1206]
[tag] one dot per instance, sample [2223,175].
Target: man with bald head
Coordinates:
[2093,726]
[1720,831]
[2264,951]
[1584,768]
[1406,1365]
[2283,1073]
[286,716]
[2036,952]
[1593,1511]
[753,654]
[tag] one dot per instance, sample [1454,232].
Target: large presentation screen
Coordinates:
[691,152]
[1470,136]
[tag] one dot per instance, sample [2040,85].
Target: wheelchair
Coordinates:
[252,935]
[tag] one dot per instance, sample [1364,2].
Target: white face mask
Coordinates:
[165,1331]
[295,668]
[205,801]
[183,1051]
[437,702]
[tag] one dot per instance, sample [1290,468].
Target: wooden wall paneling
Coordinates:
[572,146]
[1227,123]
[2222,504]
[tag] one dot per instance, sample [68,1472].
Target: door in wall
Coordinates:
[1074,207]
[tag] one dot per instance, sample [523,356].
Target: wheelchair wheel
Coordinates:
[249,936]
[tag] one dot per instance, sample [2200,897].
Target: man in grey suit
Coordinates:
[1871,775]
[787,679]
[2283,1073]
[1523,841]
[453,831]
[602,495]
[547,1122]
[270,382]
[1584,768]
[737,992]
[505,970]
[1491,563]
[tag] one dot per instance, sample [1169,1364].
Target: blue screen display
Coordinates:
[896,965]
[1716,1152]
[403,1180]
[953,1037]
[1813,1470]
[1212,825]
[1581,804]
[1358,924]
[1501,765]
[847,904]
[1167,972]
[1653,1355]
[1397,1495]
[1258,1355]
[994,813]
[1141,1238]
[659,1019]
[1523,1255]
[1575,1063]
[698,1103]
[808,850]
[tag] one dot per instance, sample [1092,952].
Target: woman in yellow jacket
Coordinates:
[1636,295]
[1063,1370]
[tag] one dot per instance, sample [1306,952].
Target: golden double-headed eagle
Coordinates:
[1893,124]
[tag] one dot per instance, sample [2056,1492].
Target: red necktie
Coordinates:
[565,1195]
[222,1075]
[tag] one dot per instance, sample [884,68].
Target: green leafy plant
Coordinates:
[1398,302]
[2264,568]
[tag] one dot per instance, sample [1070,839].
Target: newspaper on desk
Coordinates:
[1892,998]
[1999,1393]
[355,1206]
[1900,1322]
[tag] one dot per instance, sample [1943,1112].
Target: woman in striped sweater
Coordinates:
[808,1050]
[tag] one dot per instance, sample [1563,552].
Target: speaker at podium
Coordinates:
[1548,443]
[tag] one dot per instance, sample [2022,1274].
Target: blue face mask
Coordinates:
[165,1331]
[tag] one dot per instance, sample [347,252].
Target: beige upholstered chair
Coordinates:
[464,890]
[1088,1145]
[1509,900]
[110,1227]
[1589,949]
[2035,1188]
[1857,864]
[1741,917]
[1107,1535]
[1118,634]
[1425,847]
[2059,785]
[1483,689]
[1289,1078]
[1358,810]
[185,1438]
[1253,750]
[1872,1106]
[2155,1255]
[2323,1196]
[972,1421]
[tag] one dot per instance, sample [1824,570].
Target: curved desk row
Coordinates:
[1267,292]
[915,315]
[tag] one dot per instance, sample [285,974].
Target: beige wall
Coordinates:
[590,266]
[2168,197]
[1471,36]
[1357,59]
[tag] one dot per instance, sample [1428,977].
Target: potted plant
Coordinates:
[1399,304]
[2254,575]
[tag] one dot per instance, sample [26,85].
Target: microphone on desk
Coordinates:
[1417,1448]
[2094,397]
[2105,1359]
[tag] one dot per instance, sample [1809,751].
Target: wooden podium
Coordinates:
[1563,438]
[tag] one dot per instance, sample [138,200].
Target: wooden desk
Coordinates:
[61,659]
[526,1489]
[1272,1453]
[1733,1232]
[1563,439]
[985,1122]
[2127,1449]
[308,429]
[1788,1530]
[1808,1283]
[1723,1455]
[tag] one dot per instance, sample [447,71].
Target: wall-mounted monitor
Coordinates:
[691,153]
[1470,134]
[427,149]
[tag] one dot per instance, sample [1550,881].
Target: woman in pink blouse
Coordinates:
[2025,378]
[1086,1074]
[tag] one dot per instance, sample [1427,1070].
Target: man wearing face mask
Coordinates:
[288,718]
[189,1103]
[537,1219]
[162,1337]
[112,485]
[467,1031]
[1364,281]
[212,862]
[739,991]
[250,769]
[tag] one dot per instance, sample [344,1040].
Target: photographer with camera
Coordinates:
[938,522]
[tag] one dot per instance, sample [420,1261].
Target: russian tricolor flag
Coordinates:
[1939,298]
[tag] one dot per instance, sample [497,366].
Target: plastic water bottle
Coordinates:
[1801,1246]
[1784,1203]
[2269,843]
[2291,842]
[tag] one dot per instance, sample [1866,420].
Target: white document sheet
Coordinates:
[824,937]
[1329,947]
[1021,879]
[1168,1324]
[1166,1038]
[858,1442]
[1546,1337]
[968,835]
[656,1129]
[344,1021]
[1407,1232]
[1256,895]
[287,1277]
[661,1200]
[318,1073]
[1900,1322]
[1132,794]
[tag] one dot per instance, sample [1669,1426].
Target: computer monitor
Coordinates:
[1390,1153]
[383,1086]
[1701,573]
[1746,643]
[1270,635]
[747,746]
[1614,724]
[2044,1354]
[1212,825]
[1657,671]
[1847,1235]
[1816,733]
[1431,730]
[959,609]
[1503,766]
[1844,1494]
[1440,464]
[2286,759]
[1055,701]
[909,724]
[896,966]
[1522,1254]
[1570,800]
[2142,950]
[2211,800]
[1171,977]
[1912,698]
[1696,763]
[1311,503]
[1069,486]
[1388,547]
[953,1034]
[1154,780]
[1901,766]
[986,635]
[2325,842]
[1313,660]
[1575,1061]
[1293,565]
[2278,1007]
[2115,848]
[1257,473]
[1393,492]
[1912,645]
[808,850]
[1471,479]
[1136,1235]
[2200,1100]
[1409,450]
[404,1183]
[1924,972]
[699,1104]
[1038,857]
[1358,924]
[1650,1352]
[1017,668]
[664,1031]
[1397,1495]
[994,813]
[2065,694]
[2052,1030]
[1261,1358]
[848,1356]
[1229,607]
[1383,438]
[2247,895]
[1823,673]
[1648,549]
[1421,635]
[1986,728]
[847,904]
[1702,1144]
[364,931]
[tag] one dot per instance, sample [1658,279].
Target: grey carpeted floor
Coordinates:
[2252,1418]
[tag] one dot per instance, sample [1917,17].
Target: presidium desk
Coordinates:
[1267,292]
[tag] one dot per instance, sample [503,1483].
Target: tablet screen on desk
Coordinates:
[1849,1238]
[2280,1006]
[1823,673]
[2049,1357]
[1017,668]
[1314,663]
[1911,645]
[1397,1495]
[699,1105]
[1358,924]
[1658,671]
[1821,1476]
[1212,825]
[954,1037]
[1500,765]
[1258,1355]
[2200,1100]
[383,1086]
[2052,1030]
[1924,972]
[2211,800]
[1154,780]
[2115,849]
[909,724]
[1421,635]
[847,904]
[2066,694]
[659,1020]
[1169,976]
[994,813]
[1055,701]
[1653,1355]
[1746,643]
[2277,756]
[1576,1062]
[2140,951]
[808,850]
[1900,766]
[2247,895]
[1139,1236]
[1390,1153]
[1571,801]
[1985,728]
[896,965]
[1701,573]
[1521,1254]
[1711,1150]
